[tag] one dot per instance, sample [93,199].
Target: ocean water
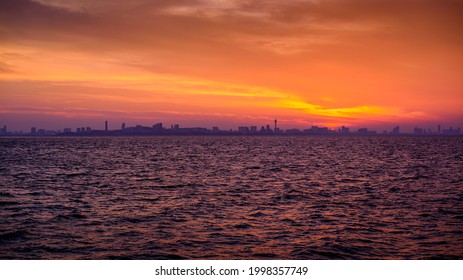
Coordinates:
[321,197]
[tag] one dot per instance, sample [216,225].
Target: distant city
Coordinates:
[175,129]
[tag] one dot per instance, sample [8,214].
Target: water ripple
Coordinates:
[231,198]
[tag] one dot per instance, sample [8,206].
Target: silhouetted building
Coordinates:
[157,128]
[293,131]
[268,130]
[33,130]
[362,131]
[67,130]
[438,129]
[106,125]
[191,131]
[253,129]
[78,130]
[123,126]
[243,130]
[88,129]
[316,130]
[396,130]
[215,129]
[451,131]
[344,130]
[417,131]
[275,128]
[365,131]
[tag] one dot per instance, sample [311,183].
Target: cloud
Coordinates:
[348,112]
[357,52]
[231,27]
[6,68]
[20,14]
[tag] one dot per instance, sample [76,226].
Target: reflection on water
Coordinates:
[231,198]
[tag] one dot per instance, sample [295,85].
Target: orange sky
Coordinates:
[375,63]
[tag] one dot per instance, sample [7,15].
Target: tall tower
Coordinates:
[275,124]
[106,125]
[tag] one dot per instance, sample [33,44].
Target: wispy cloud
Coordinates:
[373,59]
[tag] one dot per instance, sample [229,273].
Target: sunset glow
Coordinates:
[358,63]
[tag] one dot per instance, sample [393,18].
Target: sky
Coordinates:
[226,63]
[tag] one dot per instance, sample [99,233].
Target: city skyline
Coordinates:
[176,129]
[328,63]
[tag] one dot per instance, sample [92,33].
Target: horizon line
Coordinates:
[159,129]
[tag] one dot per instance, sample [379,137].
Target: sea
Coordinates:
[231,197]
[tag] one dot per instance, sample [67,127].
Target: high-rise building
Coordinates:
[362,131]
[451,131]
[268,129]
[123,126]
[158,127]
[243,129]
[106,125]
